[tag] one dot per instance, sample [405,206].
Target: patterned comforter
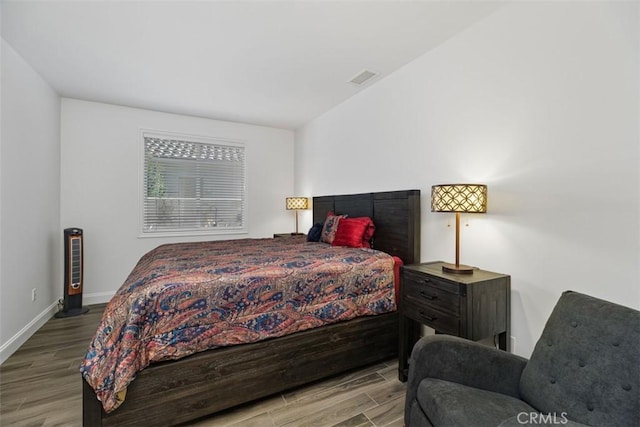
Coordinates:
[188,297]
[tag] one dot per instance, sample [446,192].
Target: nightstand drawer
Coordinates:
[429,291]
[440,321]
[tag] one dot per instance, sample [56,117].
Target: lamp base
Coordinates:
[457,269]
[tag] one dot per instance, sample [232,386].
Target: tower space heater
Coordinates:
[73,274]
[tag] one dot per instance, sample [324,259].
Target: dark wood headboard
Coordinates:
[396,215]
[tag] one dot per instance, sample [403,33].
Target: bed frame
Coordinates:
[173,392]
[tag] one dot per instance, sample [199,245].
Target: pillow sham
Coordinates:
[354,232]
[330,227]
[368,233]
[314,232]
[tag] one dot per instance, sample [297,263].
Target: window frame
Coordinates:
[199,139]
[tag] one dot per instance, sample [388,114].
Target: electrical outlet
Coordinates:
[34,294]
[513,344]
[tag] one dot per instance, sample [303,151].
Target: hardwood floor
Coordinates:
[40,385]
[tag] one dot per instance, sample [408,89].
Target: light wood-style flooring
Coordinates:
[40,385]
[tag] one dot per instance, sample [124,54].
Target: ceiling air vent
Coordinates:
[362,77]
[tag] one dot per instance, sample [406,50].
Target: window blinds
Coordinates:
[192,186]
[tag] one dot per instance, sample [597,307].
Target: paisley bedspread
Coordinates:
[188,297]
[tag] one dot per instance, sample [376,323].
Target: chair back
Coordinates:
[587,363]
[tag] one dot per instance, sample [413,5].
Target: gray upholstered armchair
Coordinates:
[584,370]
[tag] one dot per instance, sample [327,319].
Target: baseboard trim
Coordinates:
[14,343]
[97,298]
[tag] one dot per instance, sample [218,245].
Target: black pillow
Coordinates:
[314,232]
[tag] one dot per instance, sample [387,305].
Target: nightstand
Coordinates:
[473,306]
[287,234]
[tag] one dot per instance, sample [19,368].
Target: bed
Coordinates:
[172,392]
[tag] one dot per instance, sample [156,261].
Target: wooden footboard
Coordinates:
[174,392]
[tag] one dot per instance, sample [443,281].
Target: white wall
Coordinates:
[31,243]
[100,183]
[540,102]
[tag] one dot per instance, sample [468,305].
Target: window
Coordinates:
[192,184]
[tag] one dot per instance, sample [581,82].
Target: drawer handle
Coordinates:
[427,317]
[427,296]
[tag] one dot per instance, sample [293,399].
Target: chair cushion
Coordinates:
[587,363]
[452,404]
[417,418]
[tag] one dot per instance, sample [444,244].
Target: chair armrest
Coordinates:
[464,362]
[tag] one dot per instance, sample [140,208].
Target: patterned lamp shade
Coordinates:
[467,198]
[297,203]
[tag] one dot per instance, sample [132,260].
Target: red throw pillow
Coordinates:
[368,233]
[354,232]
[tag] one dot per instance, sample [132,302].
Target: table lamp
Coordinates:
[297,203]
[458,198]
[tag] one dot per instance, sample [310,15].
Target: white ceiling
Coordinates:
[271,63]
